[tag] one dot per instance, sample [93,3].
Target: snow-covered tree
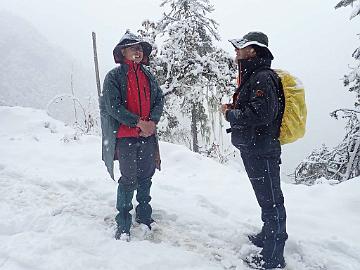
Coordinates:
[342,162]
[345,3]
[169,128]
[352,80]
[192,70]
[148,33]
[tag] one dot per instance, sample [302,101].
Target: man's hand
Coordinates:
[223,108]
[147,128]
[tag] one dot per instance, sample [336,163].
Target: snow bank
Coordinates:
[57,209]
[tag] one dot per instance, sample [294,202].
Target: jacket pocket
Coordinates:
[242,136]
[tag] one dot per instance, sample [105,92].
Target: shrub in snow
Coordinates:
[86,117]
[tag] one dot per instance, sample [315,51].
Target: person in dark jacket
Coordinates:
[131,105]
[255,118]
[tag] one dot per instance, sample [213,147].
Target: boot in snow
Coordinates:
[123,236]
[257,239]
[257,261]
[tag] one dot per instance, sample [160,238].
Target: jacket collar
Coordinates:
[124,68]
[248,66]
[131,64]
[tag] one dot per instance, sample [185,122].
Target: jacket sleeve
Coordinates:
[263,103]
[157,108]
[114,104]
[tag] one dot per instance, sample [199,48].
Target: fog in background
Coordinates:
[309,38]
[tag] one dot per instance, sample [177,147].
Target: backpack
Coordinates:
[294,118]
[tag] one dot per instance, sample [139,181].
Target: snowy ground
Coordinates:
[57,205]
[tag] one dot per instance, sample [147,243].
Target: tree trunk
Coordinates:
[351,167]
[194,128]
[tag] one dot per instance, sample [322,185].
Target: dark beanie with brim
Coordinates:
[128,40]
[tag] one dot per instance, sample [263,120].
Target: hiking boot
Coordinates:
[257,239]
[144,231]
[154,226]
[257,261]
[123,236]
[138,220]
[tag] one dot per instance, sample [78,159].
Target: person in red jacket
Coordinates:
[131,105]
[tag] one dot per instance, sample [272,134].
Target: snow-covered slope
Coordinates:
[33,71]
[57,207]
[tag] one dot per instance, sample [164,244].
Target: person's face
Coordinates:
[245,53]
[133,53]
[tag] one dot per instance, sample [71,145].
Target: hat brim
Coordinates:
[118,57]
[243,43]
[147,48]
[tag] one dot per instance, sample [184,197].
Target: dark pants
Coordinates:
[264,175]
[137,166]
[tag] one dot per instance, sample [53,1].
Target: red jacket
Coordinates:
[138,98]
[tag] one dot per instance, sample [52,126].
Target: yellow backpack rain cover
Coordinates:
[294,118]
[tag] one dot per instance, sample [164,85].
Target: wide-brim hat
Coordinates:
[252,38]
[128,40]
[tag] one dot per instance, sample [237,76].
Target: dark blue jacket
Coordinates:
[256,118]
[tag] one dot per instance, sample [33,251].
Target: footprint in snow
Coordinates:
[205,203]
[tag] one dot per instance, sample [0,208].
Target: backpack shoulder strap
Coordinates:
[279,87]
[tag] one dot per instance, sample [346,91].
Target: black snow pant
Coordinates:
[137,166]
[264,174]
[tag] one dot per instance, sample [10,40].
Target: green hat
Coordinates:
[252,38]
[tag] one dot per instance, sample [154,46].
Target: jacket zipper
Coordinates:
[138,87]
[145,93]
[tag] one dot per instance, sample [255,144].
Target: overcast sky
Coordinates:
[297,29]
[307,37]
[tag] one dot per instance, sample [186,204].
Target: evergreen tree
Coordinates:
[345,3]
[169,128]
[342,162]
[352,80]
[192,70]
